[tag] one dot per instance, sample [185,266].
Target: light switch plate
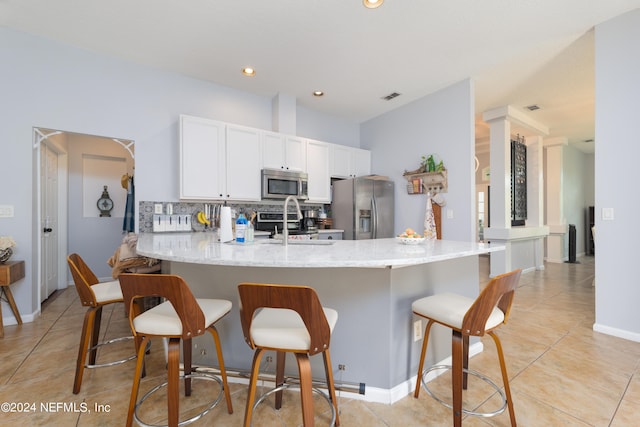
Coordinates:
[607,214]
[6,211]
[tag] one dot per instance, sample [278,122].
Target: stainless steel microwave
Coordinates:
[279,184]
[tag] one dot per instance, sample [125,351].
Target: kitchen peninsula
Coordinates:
[371,283]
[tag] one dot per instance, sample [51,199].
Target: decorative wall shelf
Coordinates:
[421,183]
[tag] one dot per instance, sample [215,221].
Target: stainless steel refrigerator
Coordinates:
[363,208]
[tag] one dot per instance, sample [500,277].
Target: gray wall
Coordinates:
[94,238]
[54,86]
[617,72]
[441,124]
[577,174]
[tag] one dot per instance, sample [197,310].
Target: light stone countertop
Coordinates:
[203,248]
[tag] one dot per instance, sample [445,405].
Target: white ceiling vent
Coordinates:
[390,96]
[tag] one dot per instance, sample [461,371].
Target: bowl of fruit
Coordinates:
[409,237]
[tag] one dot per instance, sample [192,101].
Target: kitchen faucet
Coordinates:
[285,216]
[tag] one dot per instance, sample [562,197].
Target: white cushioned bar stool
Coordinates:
[289,319]
[94,295]
[467,317]
[181,316]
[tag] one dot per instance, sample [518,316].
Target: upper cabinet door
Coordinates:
[340,161]
[361,162]
[243,163]
[202,158]
[273,150]
[295,154]
[283,152]
[318,171]
[349,162]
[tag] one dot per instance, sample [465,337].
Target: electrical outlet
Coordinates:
[269,359]
[417,330]
[157,209]
[342,367]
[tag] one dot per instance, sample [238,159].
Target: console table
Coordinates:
[10,272]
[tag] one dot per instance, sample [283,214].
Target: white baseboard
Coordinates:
[390,396]
[375,394]
[620,333]
[11,320]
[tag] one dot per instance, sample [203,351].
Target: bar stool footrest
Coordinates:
[193,375]
[286,386]
[475,374]
[115,362]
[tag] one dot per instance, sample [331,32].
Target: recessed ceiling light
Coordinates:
[372,4]
[318,93]
[248,71]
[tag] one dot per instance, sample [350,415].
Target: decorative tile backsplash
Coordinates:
[148,209]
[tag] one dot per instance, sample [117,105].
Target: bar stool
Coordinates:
[287,319]
[94,295]
[466,318]
[182,316]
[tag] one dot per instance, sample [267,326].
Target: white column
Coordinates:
[535,194]
[283,114]
[523,245]
[558,228]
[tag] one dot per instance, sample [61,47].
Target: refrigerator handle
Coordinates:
[374,218]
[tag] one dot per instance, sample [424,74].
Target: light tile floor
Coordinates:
[562,373]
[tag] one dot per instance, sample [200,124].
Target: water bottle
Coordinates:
[241,228]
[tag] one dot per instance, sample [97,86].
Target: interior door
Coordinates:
[48,221]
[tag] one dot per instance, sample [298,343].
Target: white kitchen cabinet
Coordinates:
[349,162]
[243,163]
[219,161]
[283,152]
[202,158]
[319,186]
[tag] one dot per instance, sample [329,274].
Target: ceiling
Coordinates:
[518,53]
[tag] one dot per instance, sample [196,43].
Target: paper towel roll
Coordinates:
[225,232]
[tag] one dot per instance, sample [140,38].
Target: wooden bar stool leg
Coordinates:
[85,339]
[95,335]
[456,376]
[280,363]
[422,357]
[173,387]
[186,357]
[223,371]
[136,380]
[253,381]
[1,324]
[505,378]
[465,360]
[306,389]
[330,384]
[12,303]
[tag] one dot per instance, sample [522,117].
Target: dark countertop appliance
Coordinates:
[272,222]
[363,207]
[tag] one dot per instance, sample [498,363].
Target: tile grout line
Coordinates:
[36,345]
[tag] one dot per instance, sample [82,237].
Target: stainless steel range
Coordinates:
[272,221]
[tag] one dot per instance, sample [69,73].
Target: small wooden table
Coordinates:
[10,272]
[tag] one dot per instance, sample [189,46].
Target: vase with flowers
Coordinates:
[6,245]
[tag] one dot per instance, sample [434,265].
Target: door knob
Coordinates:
[48,230]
